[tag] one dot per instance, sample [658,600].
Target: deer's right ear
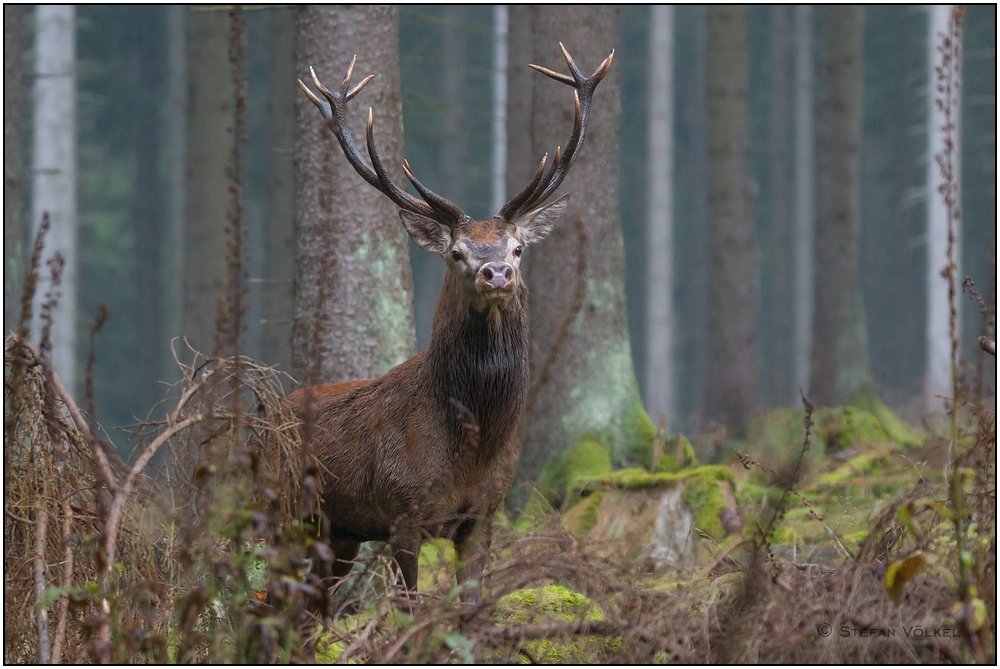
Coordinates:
[426,233]
[536,224]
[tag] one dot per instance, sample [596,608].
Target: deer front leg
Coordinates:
[472,544]
[405,545]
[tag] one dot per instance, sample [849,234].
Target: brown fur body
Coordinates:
[393,452]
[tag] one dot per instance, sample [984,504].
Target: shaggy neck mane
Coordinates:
[481,360]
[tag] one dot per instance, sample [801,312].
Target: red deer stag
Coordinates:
[429,449]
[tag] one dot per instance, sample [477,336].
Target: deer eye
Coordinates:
[518,251]
[455,255]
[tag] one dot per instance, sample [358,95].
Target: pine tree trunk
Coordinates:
[55,177]
[280,268]
[146,225]
[176,132]
[580,354]
[840,342]
[731,392]
[660,246]
[353,291]
[779,270]
[210,116]
[804,204]
[938,381]
[692,225]
[13,167]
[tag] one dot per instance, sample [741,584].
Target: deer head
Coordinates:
[483,257]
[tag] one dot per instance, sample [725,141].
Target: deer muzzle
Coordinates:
[495,276]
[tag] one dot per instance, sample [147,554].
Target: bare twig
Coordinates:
[41,523]
[57,643]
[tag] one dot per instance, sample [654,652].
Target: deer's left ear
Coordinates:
[537,223]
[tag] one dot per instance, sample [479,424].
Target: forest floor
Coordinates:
[830,536]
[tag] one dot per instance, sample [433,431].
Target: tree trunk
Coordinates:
[280,268]
[731,393]
[840,348]
[13,167]
[804,202]
[55,177]
[176,125]
[778,273]
[660,193]
[353,304]
[210,117]
[938,382]
[692,225]
[584,384]
[498,163]
[146,225]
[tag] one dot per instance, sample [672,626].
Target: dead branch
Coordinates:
[43,612]
[60,637]
[96,445]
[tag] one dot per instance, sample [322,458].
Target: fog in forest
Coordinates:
[133,121]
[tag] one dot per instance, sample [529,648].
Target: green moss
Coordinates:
[557,603]
[437,559]
[899,432]
[703,495]
[871,462]
[639,479]
[327,651]
[582,517]
[640,433]
[587,460]
[849,426]
[668,461]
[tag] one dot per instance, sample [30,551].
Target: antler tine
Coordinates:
[395,193]
[334,112]
[515,203]
[448,211]
[583,94]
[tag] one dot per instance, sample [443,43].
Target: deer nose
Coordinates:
[497,274]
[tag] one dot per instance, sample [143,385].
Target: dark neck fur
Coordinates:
[481,360]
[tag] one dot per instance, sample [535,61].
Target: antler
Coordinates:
[334,112]
[545,182]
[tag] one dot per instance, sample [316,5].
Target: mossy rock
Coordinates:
[849,426]
[898,431]
[775,438]
[554,603]
[640,479]
[581,518]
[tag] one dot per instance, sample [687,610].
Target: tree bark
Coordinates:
[583,345]
[840,342]
[176,127]
[692,225]
[804,203]
[55,177]
[660,215]
[943,127]
[779,377]
[146,225]
[353,292]
[280,270]
[13,167]
[210,117]
[731,392]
